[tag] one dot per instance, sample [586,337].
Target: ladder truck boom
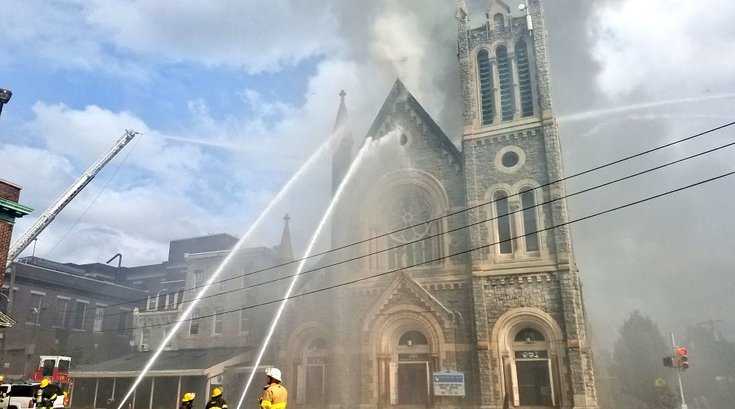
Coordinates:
[50,213]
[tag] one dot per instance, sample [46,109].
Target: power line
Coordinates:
[457,212]
[540,204]
[357,280]
[466,251]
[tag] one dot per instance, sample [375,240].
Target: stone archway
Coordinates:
[530,345]
[406,345]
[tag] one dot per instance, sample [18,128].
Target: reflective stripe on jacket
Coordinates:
[274,397]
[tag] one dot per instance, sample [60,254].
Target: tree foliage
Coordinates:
[638,363]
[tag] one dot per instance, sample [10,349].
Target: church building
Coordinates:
[464,290]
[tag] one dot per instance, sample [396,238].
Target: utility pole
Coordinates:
[678,375]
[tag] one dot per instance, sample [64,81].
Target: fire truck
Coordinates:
[55,368]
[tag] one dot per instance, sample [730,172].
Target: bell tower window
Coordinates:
[530,220]
[524,79]
[485,73]
[505,76]
[505,244]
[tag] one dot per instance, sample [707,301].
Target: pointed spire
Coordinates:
[342,137]
[462,12]
[285,252]
[341,120]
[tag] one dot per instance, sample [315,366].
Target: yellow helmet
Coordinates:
[188,397]
[2,378]
[44,383]
[216,392]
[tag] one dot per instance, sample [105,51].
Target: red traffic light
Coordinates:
[682,360]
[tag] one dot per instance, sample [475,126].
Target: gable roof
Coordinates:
[403,287]
[399,93]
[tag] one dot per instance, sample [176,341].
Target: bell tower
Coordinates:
[530,322]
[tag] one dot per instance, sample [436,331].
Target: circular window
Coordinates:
[406,213]
[404,139]
[509,159]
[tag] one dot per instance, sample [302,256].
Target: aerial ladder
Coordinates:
[50,213]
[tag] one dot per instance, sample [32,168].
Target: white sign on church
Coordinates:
[448,383]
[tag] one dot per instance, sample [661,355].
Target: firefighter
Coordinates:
[47,394]
[216,401]
[188,400]
[3,395]
[275,395]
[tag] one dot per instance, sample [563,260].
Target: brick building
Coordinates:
[10,209]
[64,309]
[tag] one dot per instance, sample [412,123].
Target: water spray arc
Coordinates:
[370,146]
[258,221]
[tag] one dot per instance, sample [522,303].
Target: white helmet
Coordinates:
[274,373]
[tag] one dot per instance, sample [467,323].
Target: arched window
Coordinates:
[529,335]
[415,240]
[530,220]
[505,76]
[502,221]
[498,22]
[412,338]
[152,302]
[485,74]
[524,79]
[162,295]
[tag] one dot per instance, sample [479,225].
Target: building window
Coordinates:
[487,98]
[198,278]
[80,315]
[194,322]
[502,222]
[99,317]
[145,339]
[505,76]
[244,321]
[62,310]
[524,79]
[412,338]
[530,220]
[415,240]
[36,308]
[125,321]
[170,343]
[219,322]
[152,303]
[498,22]
[162,296]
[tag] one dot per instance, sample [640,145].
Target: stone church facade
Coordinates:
[493,292]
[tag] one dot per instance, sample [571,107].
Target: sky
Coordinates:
[230,98]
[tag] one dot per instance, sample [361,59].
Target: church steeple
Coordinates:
[342,134]
[285,251]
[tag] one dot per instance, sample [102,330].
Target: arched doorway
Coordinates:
[532,368]
[531,346]
[412,369]
[315,362]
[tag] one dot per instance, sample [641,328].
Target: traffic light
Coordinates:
[669,361]
[682,359]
